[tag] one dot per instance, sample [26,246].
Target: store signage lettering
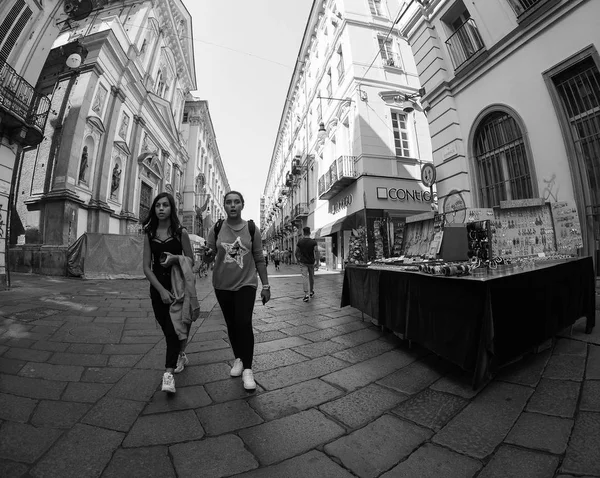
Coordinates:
[399,194]
[341,204]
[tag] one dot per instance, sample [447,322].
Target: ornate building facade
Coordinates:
[205,178]
[112,140]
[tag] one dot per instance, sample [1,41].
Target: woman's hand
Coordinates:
[265,295]
[167,259]
[166,296]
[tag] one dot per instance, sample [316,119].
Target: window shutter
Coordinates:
[12,27]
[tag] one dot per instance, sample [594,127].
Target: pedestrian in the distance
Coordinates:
[276,258]
[266,257]
[307,255]
[238,256]
[164,236]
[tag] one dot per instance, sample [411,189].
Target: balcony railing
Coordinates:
[21,106]
[392,60]
[340,174]
[522,6]
[300,210]
[464,43]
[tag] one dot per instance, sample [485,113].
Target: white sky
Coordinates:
[245,55]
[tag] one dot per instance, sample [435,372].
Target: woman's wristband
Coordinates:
[266,287]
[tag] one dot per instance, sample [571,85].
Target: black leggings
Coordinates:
[237,307]
[163,317]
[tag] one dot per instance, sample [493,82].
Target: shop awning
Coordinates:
[340,225]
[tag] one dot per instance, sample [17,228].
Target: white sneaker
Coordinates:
[248,379]
[237,368]
[168,383]
[182,361]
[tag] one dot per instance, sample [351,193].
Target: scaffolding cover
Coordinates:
[106,256]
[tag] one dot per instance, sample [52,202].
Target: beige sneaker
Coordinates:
[248,379]
[182,361]
[168,383]
[237,368]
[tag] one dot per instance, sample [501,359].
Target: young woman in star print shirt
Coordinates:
[237,260]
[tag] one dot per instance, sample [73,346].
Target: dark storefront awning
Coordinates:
[342,224]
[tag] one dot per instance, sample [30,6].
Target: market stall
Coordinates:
[479,293]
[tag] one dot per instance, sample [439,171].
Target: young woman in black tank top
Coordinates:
[165,239]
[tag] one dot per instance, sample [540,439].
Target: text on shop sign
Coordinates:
[399,194]
[341,204]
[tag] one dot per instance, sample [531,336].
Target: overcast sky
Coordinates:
[245,55]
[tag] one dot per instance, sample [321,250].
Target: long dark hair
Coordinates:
[150,224]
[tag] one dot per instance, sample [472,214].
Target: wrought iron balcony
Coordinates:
[23,110]
[522,6]
[300,210]
[340,175]
[464,43]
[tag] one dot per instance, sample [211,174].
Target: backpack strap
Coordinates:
[218,225]
[251,230]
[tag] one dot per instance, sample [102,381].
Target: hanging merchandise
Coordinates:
[356,249]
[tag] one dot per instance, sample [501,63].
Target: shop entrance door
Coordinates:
[579,91]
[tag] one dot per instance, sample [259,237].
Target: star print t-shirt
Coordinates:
[235,263]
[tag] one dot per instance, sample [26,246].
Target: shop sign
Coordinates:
[400,194]
[341,204]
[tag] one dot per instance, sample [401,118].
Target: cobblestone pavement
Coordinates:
[81,364]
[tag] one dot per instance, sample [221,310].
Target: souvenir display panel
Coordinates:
[523,231]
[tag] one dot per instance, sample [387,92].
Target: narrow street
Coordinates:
[81,364]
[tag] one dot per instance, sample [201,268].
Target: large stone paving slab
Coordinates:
[186,398]
[511,462]
[292,399]
[565,367]
[152,462]
[202,374]
[103,374]
[541,432]
[300,372]
[287,343]
[319,349]
[555,397]
[416,376]
[227,417]
[365,351]
[58,414]
[313,464]
[431,408]
[25,443]
[370,451]
[229,389]
[361,374]
[114,413]
[286,437]
[65,373]
[31,387]
[526,371]
[213,457]
[83,451]
[164,429]
[362,406]
[431,461]
[590,396]
[103,333]
[593,364]
[136,385]
[479,428]
[16,409]
[582,456]
[280,358]
[85,392]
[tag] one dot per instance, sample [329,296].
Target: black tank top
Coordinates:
[171,245]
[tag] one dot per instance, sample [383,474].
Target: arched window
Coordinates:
[501,160]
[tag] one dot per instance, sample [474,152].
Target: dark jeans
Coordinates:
[161,312]
[237,307]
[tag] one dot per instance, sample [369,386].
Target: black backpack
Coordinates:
[251,229]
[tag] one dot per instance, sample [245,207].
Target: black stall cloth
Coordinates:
[476,323]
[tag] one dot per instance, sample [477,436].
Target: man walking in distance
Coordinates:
[307,255]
